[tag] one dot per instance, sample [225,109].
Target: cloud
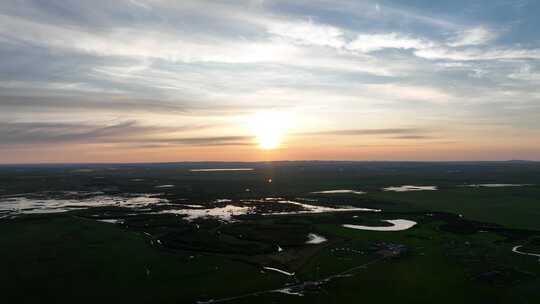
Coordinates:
[17,133]
[374,42]
[309,33]
[136,72]
[394,13]
[364,132]
[33,102]
[143,43]
[474,36]
[525,73]
[140,4]
[413,137]
[37,103]
[408,92]
[469,54]
[211,141]
[289,44]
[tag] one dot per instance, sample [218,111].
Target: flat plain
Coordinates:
[180,233]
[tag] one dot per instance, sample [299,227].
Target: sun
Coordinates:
[269,128]
[269,140]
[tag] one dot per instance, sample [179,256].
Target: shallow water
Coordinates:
[496,185]
[516,250]
[289,291]
[229,211]
[319,209]
[222,213]
[407,188]
[340,191]
[223,200]
[397,225]
[111,221]
[315,239]
[280,271]
[193,206]
[28,205]
[69,200]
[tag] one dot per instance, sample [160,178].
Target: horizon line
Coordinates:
[263,161]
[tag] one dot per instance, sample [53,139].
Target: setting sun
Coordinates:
[269,128]
[269,140]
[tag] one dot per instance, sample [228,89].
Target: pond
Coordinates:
[397,225]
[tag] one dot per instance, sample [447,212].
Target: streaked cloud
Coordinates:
[470,54]
[213,141]
[43,132]
[526,73]
[375,42]
[309,33]
[475,36]
[359,132]
[187,74]
[28,133]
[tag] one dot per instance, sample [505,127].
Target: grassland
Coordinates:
[71,257]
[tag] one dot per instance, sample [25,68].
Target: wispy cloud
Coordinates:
[14,133]
[360,132]
[469,54]
[160,73]
[526,73]
[309,33]
[474,36]
[375,42]
[211,141]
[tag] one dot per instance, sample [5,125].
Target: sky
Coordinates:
[260,80]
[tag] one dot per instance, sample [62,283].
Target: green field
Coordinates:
[460,251]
